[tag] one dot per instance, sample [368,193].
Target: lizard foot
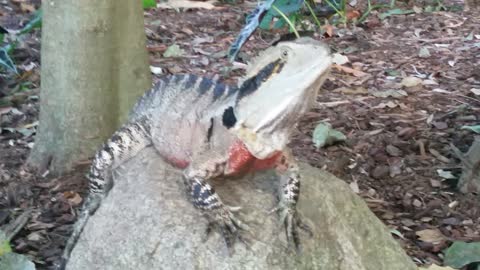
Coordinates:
[229,226]
[292,221]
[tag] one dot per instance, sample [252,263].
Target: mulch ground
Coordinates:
[398,135]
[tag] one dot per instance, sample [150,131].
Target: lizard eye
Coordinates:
[284,53]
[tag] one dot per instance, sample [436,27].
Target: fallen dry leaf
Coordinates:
[73,197]
[328,30]
[339,59]
[34,236]
[156,70]
[354,186]
[390,93]
[417,9]
[433,236]
[353,14]
[475,91]
[382,105]
[354,72]
[439,156]
[375,132]
[27,7]
[411,81]
[5,110]
[351,91]
[439,90]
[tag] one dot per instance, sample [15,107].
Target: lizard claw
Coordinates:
[229,227]
[292,221]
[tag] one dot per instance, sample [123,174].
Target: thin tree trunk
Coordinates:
[94,66]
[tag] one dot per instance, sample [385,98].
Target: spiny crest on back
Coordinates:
[187,88]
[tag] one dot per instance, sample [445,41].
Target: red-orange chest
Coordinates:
[240,160]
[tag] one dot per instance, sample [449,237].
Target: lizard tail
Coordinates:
[123,145]
[91,205]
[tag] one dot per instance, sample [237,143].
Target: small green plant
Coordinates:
[288,13]
[149,4]
[6,61]
[287,8]
[340,8]
[290,23]
[314,16]
[371,7]
[8,258]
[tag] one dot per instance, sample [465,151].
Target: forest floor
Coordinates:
[397,156]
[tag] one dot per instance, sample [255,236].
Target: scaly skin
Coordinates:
[208,130]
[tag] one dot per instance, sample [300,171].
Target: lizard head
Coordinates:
[280,86]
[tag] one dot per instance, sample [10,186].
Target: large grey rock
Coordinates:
[147,223]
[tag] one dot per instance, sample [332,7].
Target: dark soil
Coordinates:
[395,145]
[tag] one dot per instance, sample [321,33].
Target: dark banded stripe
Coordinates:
[219,90]
[205,85]
[253,84]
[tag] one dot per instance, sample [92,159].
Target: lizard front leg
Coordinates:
[289,193]
[207,200]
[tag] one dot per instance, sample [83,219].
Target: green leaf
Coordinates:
[424,52]
[475,129]
[149,3]
[5,248]
[14,261]
[266,20]
[10,47]
[396,11]
[429,8]
[4,244]
[174,51]
[35,22]
[324,135]
[288,7]
[281,21]
[460,254]
[468,37]
[397,233]
[5,60]
[393,72]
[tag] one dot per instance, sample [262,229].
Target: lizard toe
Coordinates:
[292,223]
[230,227]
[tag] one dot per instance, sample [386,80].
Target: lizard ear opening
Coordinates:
[228,117]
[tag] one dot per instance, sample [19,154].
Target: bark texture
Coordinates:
[147,222]
[94,66]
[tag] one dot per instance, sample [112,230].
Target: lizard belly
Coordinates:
[184,137]
[177,162]
[240,160]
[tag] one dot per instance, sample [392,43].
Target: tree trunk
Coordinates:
[94,67]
